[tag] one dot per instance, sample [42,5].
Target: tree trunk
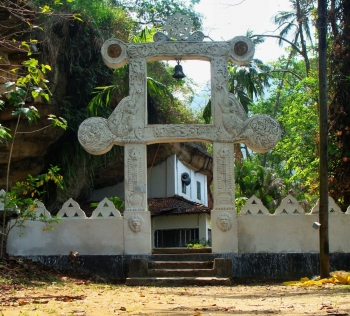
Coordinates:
[323,215]
[302,40]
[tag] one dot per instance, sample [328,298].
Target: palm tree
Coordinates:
[249,82]
[298,22]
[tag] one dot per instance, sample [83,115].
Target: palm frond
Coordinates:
[100,100]
[156,88]
[207,113]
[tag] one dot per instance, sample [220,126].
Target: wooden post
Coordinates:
[323,116]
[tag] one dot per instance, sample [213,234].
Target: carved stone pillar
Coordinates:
[137,219]
[219,82]
[224,215]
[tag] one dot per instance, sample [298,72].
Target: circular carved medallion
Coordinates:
[263,133]
[94,135]
[114,51]
[240,48]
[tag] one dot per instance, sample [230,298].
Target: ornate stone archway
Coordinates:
[127,126]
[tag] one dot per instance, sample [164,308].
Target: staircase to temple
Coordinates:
[180,269]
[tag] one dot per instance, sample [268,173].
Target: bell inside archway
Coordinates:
[178,72]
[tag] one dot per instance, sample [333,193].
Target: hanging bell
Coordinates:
[178,73]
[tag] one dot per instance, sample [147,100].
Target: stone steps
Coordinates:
[180,264]
[179,272]
[180,251]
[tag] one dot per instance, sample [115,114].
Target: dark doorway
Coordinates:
[175,237]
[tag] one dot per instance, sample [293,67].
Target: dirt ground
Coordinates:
[28,289]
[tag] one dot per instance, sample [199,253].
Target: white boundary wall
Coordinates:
[289,230]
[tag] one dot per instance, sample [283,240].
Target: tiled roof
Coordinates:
[175,205]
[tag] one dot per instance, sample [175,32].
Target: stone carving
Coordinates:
[241,48]
[224,221]
[225,177]
[333,208]
[136,223]
[105,209]
[289,205]
[95,136]
[260,132]
[254,206]
[348,211]
[114,52]
[137,77]
[177,131]
[71,210]
[220,75]
[196,37]
[123,120]
[178,26]
[163,49]
[136,196]
[171,49]
[41,211]
[234,116]
[160,37]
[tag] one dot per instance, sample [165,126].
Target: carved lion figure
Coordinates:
[224,221]
[136,223]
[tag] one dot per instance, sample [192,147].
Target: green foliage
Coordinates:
[155,12]
[118,203]
[240,202]
[198,244]
[246,83]
[5,133]
[32,84]
[24,196]
[208,119]
[296,154]
[249,82]
[339,106]
[253,179]
[34,186]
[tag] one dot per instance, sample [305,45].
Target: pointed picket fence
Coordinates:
[106,231]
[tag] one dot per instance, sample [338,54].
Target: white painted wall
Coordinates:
[191,190]
[158,179]
[204,225]
[84,235]
[290,233]
[284,233]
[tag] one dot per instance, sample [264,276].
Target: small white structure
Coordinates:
[177,200]
[165,181]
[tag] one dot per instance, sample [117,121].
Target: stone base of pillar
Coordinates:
[137,232]
[224,231]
